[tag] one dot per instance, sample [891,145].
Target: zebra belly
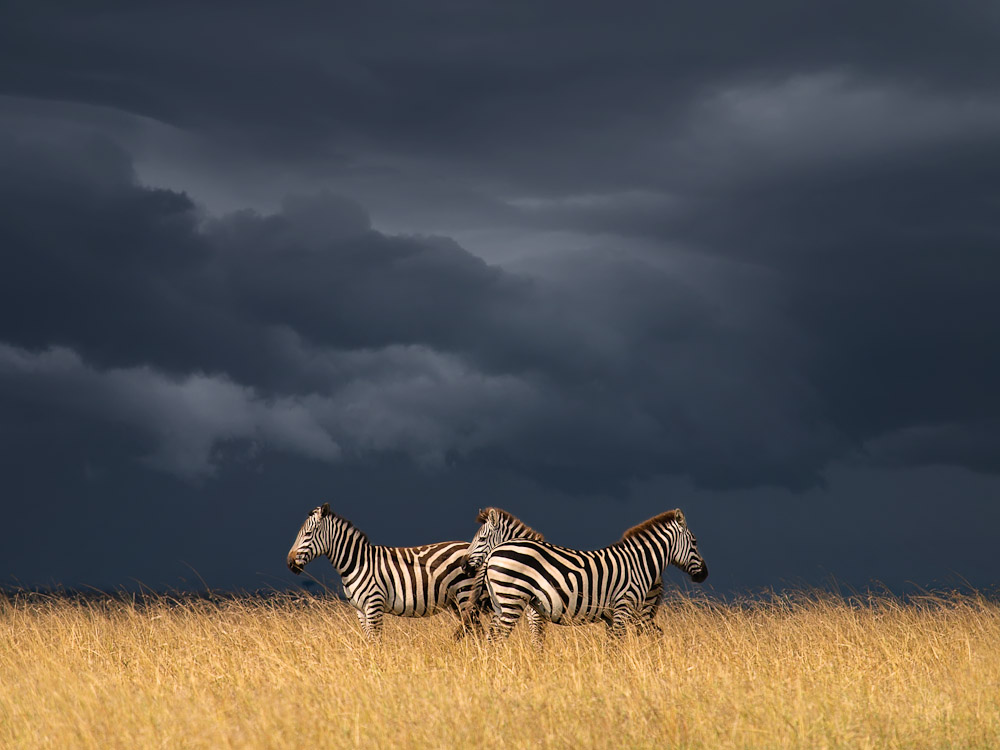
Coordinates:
[583,613]
[571,604]
[414,609]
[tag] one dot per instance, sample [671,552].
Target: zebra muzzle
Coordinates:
[294,565]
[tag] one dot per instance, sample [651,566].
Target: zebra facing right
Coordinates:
[567,586]
[499,526]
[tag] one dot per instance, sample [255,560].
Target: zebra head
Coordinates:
[684,551]
[498,526]
[490,534]
[315,538]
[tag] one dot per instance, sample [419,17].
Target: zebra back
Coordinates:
[419,581]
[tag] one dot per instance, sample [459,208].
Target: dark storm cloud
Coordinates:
[204,295]
[891,268]
[679,253]
[314,333]
[532,92]
[874,208]
[800,140]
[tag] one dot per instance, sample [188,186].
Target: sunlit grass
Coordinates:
[809,671]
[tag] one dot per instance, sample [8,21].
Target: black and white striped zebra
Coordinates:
[499,526]
[568,587]
[405,581]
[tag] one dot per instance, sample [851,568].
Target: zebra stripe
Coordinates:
[404,581]
[567,586]
[497,526]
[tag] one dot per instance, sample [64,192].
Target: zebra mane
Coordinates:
[661,520]
[350,525]
[526,531]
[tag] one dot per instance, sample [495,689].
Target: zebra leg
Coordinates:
[646,622]
[480,608]
[481,601]
[470,617]
[470,605]
[506,612]
[537,625]
[503,623]
[372,623]
[624,613]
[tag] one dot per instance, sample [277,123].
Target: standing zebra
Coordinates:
[499,526]
[405,581]
[569,586]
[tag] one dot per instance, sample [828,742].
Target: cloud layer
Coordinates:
[313,332]
[561,251]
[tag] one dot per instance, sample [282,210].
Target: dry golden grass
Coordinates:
[810,671]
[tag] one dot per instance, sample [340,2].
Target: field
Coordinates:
[803,670]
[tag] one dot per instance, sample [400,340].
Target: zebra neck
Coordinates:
[348,551]
[653,545]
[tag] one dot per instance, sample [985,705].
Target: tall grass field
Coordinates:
[803,670]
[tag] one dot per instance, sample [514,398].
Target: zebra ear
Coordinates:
[679,517]
[493,517]
[325,510]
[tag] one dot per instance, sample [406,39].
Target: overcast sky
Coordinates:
[584,263]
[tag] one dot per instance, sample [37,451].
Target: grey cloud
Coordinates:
[187,417]
[414,402]
[426,116]
[809,122]
[974,443]
[889,270]
[478,87]
[417,258]
[212,294]
[616,364]
[821,160]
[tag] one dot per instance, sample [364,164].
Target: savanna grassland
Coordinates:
[803,670]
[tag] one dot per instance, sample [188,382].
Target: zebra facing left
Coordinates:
[404,581]
[496,526]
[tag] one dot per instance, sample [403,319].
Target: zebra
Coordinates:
[405,581]
[498,526]
[567,586]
